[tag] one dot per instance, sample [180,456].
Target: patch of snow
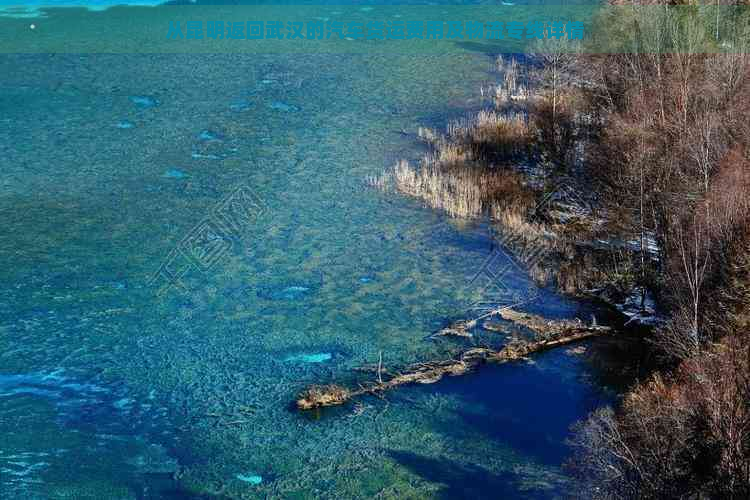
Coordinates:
[643,314]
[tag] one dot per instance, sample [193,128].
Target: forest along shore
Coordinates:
[608,181]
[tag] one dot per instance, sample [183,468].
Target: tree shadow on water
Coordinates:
[461,480]
[524,408]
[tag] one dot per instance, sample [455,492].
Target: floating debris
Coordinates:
[366,279]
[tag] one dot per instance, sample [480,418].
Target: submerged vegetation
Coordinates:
[629,174]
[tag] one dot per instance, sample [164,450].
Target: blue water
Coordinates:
[242,178]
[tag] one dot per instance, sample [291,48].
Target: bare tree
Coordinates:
[558,58]
[704,144]
[603,459]
[692,249]
[687,43]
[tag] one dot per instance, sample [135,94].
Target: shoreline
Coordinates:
[548,227]
[549,249]
[605,183]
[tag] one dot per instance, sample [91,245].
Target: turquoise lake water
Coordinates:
[243,177]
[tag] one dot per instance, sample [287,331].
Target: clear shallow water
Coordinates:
[111,387]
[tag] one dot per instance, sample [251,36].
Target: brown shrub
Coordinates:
[555,132]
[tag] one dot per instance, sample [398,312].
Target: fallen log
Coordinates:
[460,328]
[551,334]
[494,326]
[540,325]
[463,327]
[324,395]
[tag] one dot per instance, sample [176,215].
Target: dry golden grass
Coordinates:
[468,174]
[462,189]
[511,90]
[533,233]
[459,176]
[490,136]
[381,182]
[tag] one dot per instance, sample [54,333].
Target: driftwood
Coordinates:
[460,328]
[495,326]
[544,327]
[549,334]
[463,327]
